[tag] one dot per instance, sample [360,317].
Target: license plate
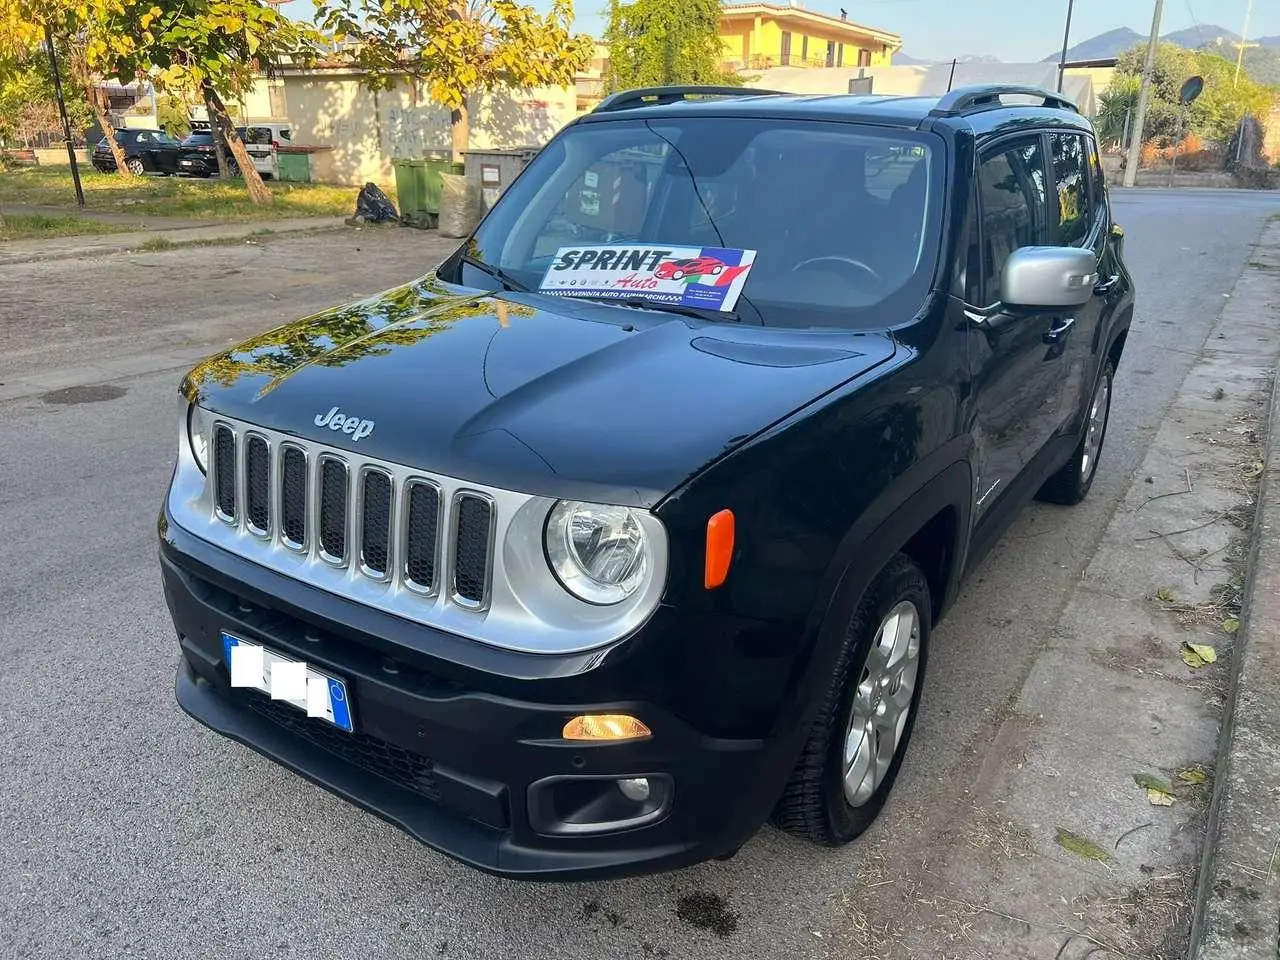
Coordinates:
[292,681]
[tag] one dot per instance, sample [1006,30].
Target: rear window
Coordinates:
[844,220]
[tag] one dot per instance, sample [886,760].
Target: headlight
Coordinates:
[198,435]
[599,553]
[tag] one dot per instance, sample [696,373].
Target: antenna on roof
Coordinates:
[844,14]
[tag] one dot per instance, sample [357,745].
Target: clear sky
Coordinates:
[1012,30]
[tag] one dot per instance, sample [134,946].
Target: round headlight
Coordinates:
[198,435]
[598,552]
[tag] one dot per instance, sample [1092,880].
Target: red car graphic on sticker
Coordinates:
[692,267]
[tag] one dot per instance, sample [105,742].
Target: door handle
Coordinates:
[1104,287]
[1058,332]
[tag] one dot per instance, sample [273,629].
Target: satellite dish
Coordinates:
[1191,89]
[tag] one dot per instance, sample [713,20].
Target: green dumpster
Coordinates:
[295,167]
[418,187]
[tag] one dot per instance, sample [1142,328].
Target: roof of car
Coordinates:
[982,110]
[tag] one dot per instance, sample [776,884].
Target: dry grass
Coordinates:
[173,196]
[37,226]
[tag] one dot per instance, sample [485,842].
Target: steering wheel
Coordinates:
[849,261]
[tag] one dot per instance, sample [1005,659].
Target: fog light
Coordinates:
[605,726]
[636,789]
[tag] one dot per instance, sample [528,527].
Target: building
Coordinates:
[758,36]
[933,80]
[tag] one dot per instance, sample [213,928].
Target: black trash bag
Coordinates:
[374,206]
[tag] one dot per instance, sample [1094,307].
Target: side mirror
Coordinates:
[1048,278]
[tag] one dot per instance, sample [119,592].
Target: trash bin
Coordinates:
[295,167]
[418,187]
[494,170]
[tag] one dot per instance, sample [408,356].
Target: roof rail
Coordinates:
[964,100]
[653,96]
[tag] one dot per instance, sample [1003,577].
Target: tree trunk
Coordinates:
[460,126]
[258,191]
[108,130]
[215,132]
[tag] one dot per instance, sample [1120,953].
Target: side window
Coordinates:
[1097,179]
[286,133]
[142,138]
[1071,179]
[1013,203]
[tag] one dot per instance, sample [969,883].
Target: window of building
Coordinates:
[864,58]
[840,55]
[831,53]
[804,49]
[786,48]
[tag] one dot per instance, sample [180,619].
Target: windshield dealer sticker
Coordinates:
[708,277]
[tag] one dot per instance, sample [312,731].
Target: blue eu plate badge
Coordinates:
[296,683]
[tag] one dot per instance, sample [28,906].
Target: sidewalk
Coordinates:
[1238,894]
[158,229]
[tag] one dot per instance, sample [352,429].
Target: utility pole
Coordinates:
[62,110]
[1244,40]
[1066,38]
[1144,94]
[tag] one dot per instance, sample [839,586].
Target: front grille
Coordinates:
[420,543]
[257,483]
[471,571]
[374,522]
[293,497]
[224,471]
[402,767]
[333,508]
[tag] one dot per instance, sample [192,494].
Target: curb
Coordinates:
[1237,898]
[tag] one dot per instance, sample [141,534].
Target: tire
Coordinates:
[135,166]
[716,271]
[1071,484]
[816,804]
[677,275]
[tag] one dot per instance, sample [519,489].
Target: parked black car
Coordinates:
[199,158]
[145,151]
[573,567]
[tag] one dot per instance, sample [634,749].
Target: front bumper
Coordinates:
[460,758]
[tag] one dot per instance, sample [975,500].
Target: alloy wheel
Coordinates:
[882,703]
[1097,427]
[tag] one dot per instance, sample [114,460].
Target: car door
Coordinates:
[1079,220]
[1016,368]
[165,152]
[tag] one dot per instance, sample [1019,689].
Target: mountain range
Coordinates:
[1115,42]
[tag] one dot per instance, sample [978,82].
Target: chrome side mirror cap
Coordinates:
[1048,278]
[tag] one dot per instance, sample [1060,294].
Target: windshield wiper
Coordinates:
[504,278]
[645,303]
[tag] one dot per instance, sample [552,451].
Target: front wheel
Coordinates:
[860,735]
[135,166]
[1071,484]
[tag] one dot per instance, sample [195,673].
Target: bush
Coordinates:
[1257,178]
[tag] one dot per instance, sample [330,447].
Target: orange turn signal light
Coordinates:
[719,549]
[605,726]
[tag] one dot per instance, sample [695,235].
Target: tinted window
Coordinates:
[844,220]
[1097,179]
[1071,178]
[1012,199]
[285,133]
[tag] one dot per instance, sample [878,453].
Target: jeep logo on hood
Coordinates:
[336,420]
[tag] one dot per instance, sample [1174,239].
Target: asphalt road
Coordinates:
[127,829]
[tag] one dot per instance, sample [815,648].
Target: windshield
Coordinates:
[833,225]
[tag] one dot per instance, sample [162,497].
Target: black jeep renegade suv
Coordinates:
[625,528]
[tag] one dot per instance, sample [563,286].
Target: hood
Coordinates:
[583,400]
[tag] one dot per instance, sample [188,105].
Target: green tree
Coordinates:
[216,47]
[459,48]
[661,42]
[1213,115]
[28,107]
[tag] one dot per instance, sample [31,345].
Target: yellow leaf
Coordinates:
[1159,798]
[1165,594]
[1231,625]
[1192,775]
[1196,655]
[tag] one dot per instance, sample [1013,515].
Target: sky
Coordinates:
[1012,30]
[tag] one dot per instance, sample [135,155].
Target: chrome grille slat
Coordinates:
[472,548]
[257,500]
[420,535]
[334,497]
[224,472]
[376,502]
[293,490]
